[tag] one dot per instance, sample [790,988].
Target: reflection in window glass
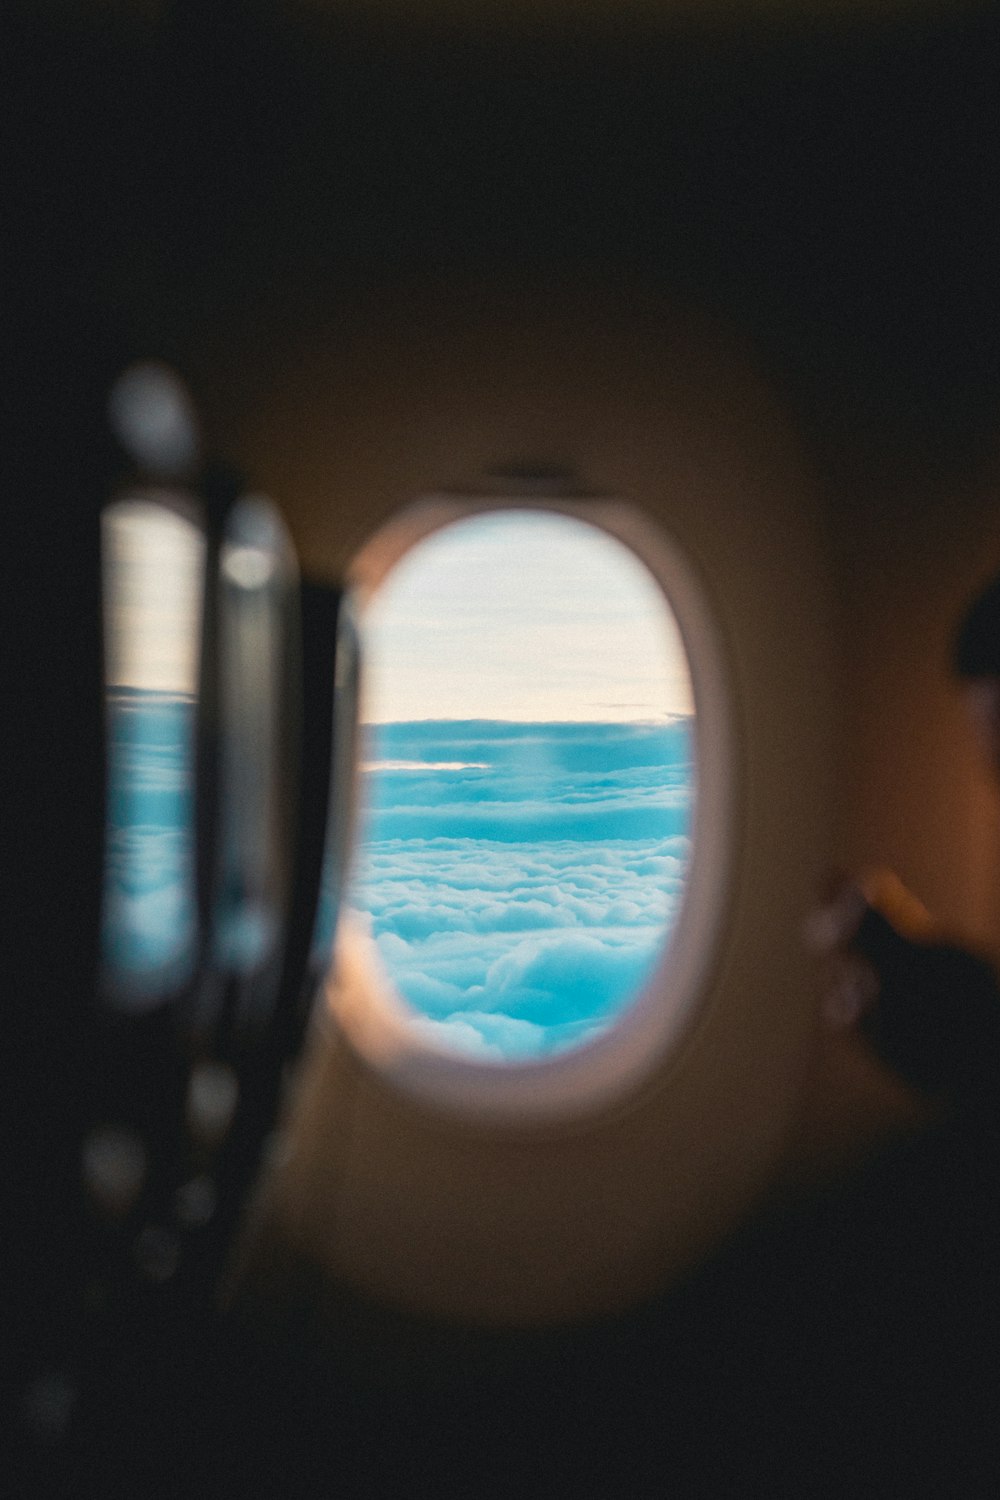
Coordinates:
[527,748]
[153,560]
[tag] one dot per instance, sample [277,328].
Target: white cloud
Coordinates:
[552,936]
[368,766]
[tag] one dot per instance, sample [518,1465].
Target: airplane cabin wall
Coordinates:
[836,602]
[530,1223]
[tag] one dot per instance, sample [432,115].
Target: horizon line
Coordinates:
[665,718]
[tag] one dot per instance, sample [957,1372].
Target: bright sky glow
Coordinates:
[526,617]
[153,562]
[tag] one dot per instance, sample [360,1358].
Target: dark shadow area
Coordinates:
[827,189]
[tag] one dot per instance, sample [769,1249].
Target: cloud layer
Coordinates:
[520,880]
[149,900]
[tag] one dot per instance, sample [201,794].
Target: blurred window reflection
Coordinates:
[256,575]
[153,562]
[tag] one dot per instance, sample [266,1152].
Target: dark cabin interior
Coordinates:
[211,184]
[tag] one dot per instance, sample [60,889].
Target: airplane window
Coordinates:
[153,563]
[527,767]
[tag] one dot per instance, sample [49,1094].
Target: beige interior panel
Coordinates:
[519,1224]
[853,748]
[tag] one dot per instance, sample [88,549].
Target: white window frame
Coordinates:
[362,1000]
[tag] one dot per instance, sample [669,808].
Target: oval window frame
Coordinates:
[362,1002]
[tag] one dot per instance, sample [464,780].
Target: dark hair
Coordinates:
[976,648]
